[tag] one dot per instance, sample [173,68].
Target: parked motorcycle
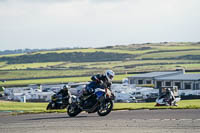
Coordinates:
[165,101]
[101,101]
[58,102]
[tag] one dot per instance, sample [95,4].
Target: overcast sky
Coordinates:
[95,23]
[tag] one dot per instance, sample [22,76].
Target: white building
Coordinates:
[172,78]
[188,84]
[182,81]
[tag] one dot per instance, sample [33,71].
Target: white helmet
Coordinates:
[109,75]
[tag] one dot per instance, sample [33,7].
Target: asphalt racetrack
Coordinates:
[135,121]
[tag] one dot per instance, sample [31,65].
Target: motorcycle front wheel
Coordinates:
[106,108]
[73,110]
[49,106]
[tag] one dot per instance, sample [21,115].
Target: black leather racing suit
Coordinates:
[98,81]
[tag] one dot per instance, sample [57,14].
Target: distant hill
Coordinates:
[25,51]
[80,62]
[18,51]
[147,51]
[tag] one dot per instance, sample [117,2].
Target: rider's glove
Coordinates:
[90,90]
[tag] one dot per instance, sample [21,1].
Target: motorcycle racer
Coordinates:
[64,91]
[98,81]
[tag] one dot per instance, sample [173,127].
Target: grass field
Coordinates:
[30,65]
[44,81]
[55,80]
[91,50]
[170,54]
[71,69]
[41,107]
[181,46]
[117,78]
[40,73]
[80,71]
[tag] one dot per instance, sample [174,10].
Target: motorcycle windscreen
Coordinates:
[99,94]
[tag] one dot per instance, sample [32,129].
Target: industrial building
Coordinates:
[168,79]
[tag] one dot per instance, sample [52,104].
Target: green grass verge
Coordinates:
[18,107]
[183,104]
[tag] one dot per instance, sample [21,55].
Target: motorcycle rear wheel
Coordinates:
[108,108]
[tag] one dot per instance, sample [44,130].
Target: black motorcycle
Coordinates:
[58,102]
[101,101]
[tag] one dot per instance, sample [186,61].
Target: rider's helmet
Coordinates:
[109,75]
[66,87]
[168,90]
